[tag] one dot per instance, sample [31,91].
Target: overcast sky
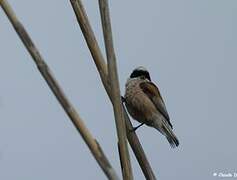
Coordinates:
[190,49]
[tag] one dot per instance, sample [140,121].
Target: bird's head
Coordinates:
[140,72]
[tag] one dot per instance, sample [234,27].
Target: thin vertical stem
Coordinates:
[100,62]
[138,150]
[115,91]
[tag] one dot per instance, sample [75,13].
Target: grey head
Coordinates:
[140,72]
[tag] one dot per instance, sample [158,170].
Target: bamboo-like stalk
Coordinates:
[90,40]
[102,69]
[138,150]
[54,86]
[115,90]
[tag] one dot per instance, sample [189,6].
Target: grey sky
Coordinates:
[190,49]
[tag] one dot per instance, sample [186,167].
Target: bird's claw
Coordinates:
[122,99]
[135,128]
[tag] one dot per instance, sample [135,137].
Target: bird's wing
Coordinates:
[153,93]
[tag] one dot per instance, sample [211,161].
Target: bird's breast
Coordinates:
[139,106]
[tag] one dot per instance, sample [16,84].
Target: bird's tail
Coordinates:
[173,140]
[166,130]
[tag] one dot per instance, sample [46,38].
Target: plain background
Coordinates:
[190,49]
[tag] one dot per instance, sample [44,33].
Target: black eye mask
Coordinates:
[140,73]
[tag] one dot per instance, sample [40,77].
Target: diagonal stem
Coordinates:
[54,86]
[102,69]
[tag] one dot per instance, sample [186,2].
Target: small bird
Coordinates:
[145,104]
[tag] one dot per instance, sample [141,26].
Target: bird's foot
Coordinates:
[135,128]
[122,99]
